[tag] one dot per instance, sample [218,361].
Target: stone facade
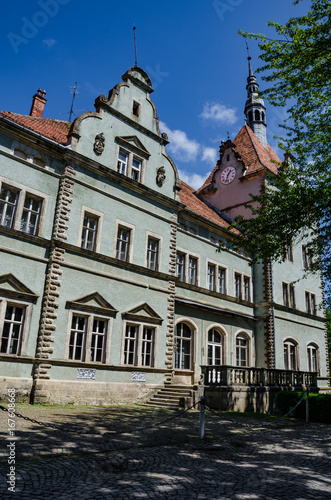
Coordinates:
[111,282]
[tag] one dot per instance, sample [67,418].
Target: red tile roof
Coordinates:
[56,130]
[194,204]
[255,156]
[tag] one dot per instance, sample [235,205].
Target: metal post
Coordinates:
[202,417]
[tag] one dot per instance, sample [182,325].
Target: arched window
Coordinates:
[241,350]
[290,355]
[312,358]
[257,114]
[183,347]
[262,116]
[215,347]
[20,153]
[250,116]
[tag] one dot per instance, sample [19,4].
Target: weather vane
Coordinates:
[135,45]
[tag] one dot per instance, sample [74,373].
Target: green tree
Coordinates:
[297,203]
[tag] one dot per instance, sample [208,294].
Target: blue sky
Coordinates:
[190,48]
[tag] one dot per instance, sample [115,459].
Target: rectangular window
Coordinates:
[289,253]
[30,215]
[12,330]
[211,272]
[285,295]
[136,170]
[247,288]
[193,270]
[180,266]
[98,340]
[130,345]
[89,232]
[306,258]
[310,303]
[77,338]
[122,163]
[147,346]
[221,280]
[237,285]
[292,296]
[8,205]
[123,244]
[153,254]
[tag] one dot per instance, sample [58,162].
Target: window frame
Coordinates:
[239,349]
[213,344]
[27,307]
[129,167]
[191,344]
[23,193]
[155,238]
[87,211]
[89,318]
[139,344]
[310,303]
[291,355]
[313,347]
[131,229]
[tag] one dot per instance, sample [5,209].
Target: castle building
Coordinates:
[111,284]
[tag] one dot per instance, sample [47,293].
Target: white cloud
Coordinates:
[49,42]
[217,112]
[181,147]
[193,180]
[209,155]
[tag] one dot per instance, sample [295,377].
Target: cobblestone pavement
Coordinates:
[123,456]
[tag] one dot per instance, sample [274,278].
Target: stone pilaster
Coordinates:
[47,326]
[269,328]
[171,299]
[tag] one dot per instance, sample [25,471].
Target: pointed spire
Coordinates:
[254,107]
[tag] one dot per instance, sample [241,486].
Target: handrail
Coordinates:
[224,375]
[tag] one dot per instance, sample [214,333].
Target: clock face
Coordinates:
[228,175]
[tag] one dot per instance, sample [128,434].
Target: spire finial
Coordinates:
[250,71]
[135,45]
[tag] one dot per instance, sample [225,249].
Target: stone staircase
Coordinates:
[173,397]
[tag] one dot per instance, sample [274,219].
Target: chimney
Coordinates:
[38,103]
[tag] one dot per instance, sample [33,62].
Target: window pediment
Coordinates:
[11,287]
[94,303]
[143,313]
[133,144]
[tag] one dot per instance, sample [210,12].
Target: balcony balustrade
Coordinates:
[258,377]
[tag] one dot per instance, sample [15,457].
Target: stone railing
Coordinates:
[263,377]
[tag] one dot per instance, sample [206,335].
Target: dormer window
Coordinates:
[136,108]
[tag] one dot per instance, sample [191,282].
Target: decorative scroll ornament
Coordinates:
[160,176]
[164,136]
[99,144]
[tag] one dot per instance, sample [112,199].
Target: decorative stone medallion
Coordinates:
[99,144]
[160,176]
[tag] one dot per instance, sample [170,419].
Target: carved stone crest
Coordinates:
[160,176]
[99,144]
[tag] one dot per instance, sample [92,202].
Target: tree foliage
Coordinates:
[297,202]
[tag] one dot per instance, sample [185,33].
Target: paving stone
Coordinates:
[241,458]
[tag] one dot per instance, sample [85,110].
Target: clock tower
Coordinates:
[244,162]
